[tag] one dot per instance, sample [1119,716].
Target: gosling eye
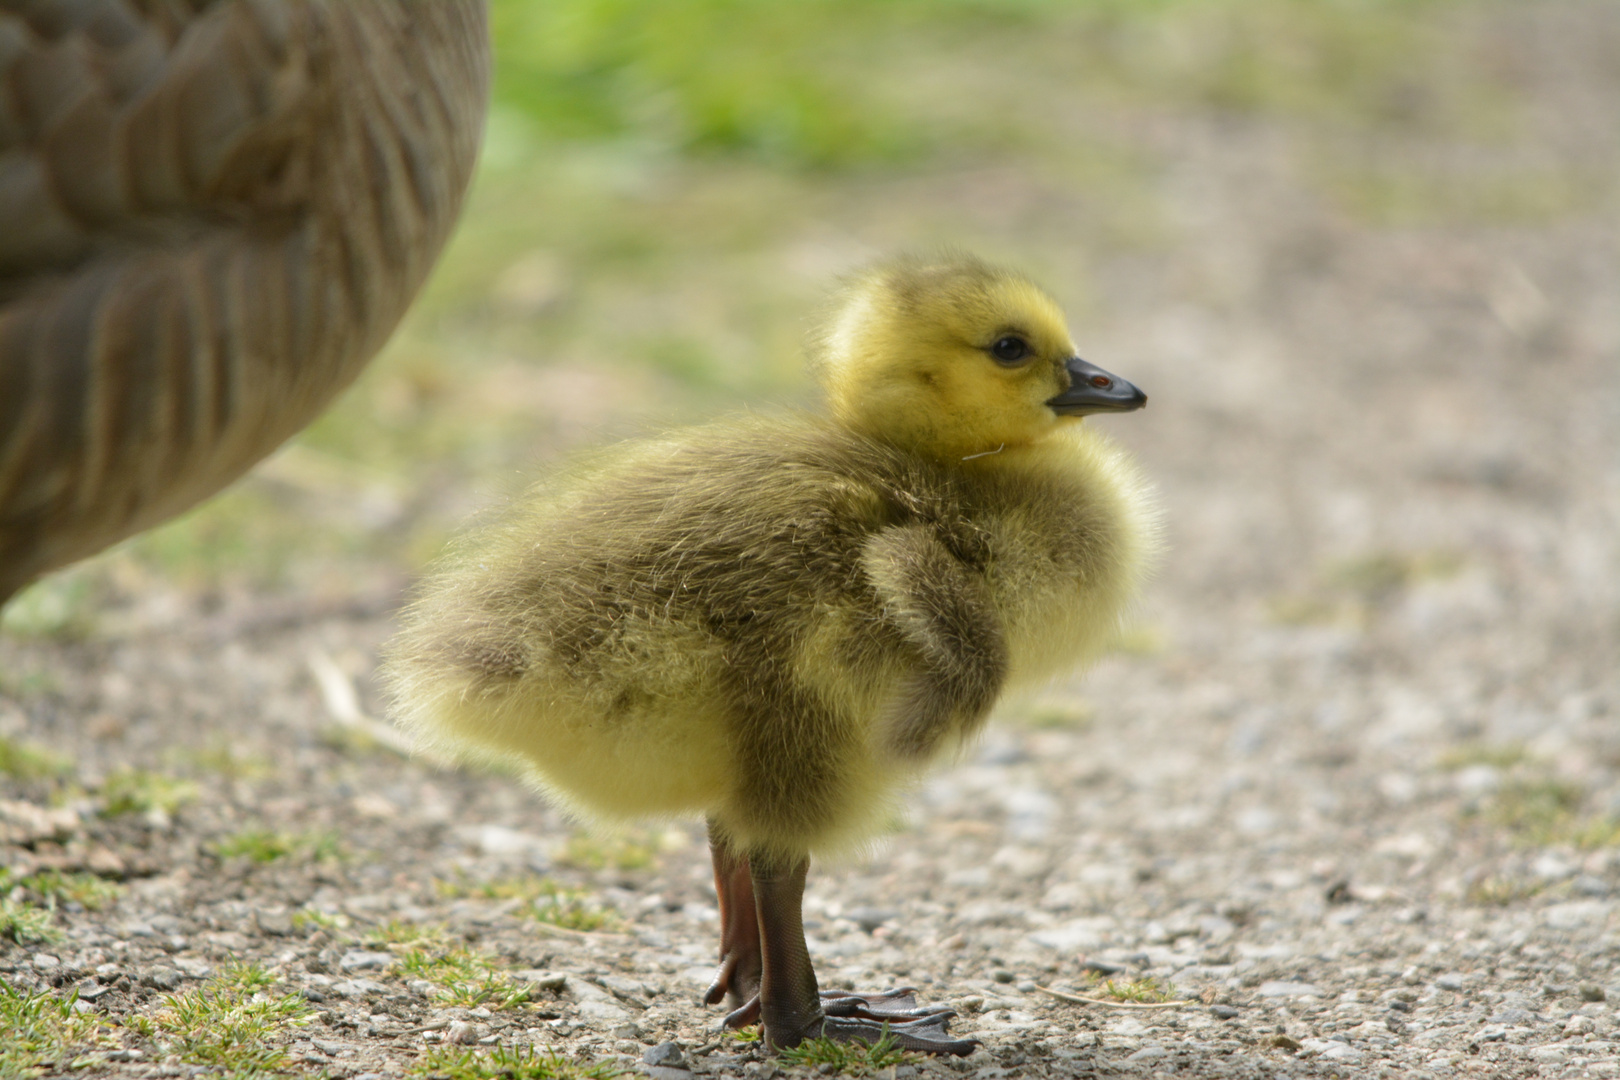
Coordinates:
[1010,349]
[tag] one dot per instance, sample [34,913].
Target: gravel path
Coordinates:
[1351,793]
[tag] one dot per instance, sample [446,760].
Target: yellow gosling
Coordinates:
[778,622]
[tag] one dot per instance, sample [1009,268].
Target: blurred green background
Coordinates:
[667,189]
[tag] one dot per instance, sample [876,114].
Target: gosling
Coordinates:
[779,622]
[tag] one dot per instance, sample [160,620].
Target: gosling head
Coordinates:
[956,359]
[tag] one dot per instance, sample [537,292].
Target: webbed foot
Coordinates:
[925,1035]
[891,1006]
[897,1004]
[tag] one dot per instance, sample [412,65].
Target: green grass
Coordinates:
[1148,991]
[1352,590]
[1499,891]
[777,82]
[507,1063]
[1378,575]
[1071,715]
[219,759]
[22,760]
[820,84]
[268,845]
[634,851]
[544,900]
[325,920]
[846,1058]
[27,924]
[136,791]
[49,888]
[40,1032]
[232,1023]
[1498,755]
[465,978]
[1546,812]
[60,608]
[395,932]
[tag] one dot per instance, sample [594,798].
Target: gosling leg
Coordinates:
[790,1002]
[737,980]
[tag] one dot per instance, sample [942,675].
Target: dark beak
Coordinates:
[1093,390]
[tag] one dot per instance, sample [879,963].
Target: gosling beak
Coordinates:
[1093,390]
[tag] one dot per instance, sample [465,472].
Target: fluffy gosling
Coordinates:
[779,622]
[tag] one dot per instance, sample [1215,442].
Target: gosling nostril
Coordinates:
[1102,382]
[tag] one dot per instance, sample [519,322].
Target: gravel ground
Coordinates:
[1351,793]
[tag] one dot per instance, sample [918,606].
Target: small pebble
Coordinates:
[870,918]
[163,978]
[278,924]
[366,960]
[357,988]
[665,1053]
[90,990]
[1592,992]
[195,967]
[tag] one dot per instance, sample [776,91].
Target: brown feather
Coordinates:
[211,216]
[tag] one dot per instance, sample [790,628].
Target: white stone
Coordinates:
[502,842]
[1575,914]
[1477,780]
[366,960]
[356,988]
[1550,866]
[1075,935]
[602,1013]
[196,967]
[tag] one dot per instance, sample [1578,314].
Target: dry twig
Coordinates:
[1078,1000]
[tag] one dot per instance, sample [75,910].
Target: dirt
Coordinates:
[1348,793]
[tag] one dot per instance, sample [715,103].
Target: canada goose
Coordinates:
[780,621]
[211,216]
